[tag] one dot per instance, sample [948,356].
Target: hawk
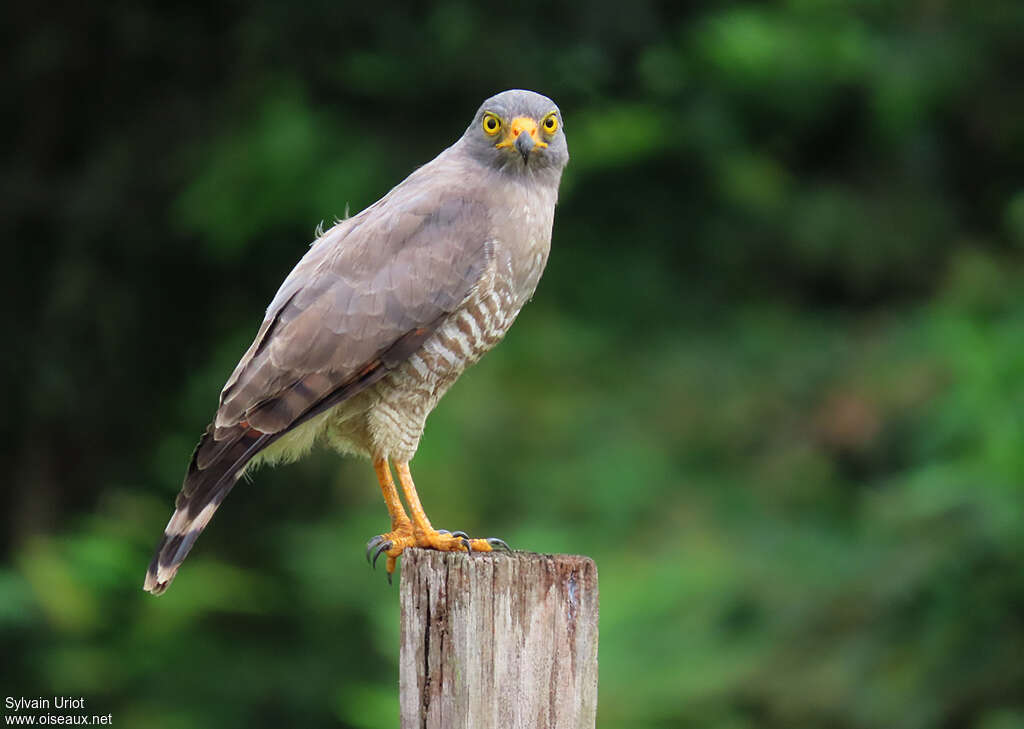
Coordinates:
[379,319]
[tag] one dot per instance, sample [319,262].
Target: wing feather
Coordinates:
[356,292]
[364,298]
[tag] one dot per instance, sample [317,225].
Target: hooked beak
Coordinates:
[524,145]
[524,136]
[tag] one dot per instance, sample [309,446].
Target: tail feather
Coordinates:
[216,465]
[222,453]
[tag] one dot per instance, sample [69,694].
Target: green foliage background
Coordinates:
[772,381]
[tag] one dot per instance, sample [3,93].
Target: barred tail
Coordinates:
[216,465]
[222,453]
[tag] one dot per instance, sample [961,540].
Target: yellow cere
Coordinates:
[519,125]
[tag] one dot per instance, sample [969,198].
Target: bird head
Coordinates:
[518,131]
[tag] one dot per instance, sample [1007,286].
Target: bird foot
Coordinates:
[397,541]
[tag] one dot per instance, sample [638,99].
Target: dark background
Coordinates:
[772,381]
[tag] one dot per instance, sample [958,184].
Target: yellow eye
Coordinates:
[491,123]
[550,123]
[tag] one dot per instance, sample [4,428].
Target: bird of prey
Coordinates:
[379,319]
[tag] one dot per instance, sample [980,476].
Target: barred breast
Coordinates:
[395,422]
[388,419]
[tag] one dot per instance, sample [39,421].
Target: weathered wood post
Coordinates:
[497,641]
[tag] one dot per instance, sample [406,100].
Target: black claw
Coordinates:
[460,534]
[380,550]
[389,578]
[499,544]
[443,531]
[371,544]
[465,543]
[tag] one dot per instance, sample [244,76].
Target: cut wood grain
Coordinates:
[495,641]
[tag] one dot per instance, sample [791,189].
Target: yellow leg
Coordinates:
[401,527]
[420,521]
[424,535]
[416,532]
[387,485]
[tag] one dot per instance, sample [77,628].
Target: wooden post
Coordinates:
[498,641]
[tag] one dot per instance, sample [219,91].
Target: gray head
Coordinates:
[518,131]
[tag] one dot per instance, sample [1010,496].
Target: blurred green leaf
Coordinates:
[772,380]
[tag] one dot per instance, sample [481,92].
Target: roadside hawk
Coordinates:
[378,320]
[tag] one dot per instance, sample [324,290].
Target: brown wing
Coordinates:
[371,283]
[362,300]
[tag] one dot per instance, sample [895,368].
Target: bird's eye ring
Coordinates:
[550,123]
[491,123]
